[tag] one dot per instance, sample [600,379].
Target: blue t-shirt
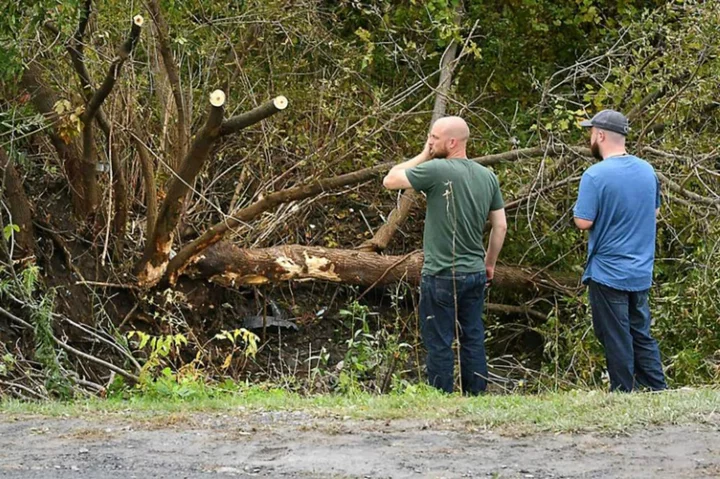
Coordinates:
[620,195]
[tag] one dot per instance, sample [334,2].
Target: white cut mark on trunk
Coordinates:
[315,267]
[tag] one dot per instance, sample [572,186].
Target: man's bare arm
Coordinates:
[397,178]
[497,238]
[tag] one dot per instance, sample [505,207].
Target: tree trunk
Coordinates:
[11,187]
[227,264]
[157,249]
[153,265]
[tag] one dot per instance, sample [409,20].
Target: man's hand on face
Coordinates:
[427,151]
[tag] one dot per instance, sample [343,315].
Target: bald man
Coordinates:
[461,196]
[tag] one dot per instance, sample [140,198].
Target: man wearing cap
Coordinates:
[461,196]
[618,202]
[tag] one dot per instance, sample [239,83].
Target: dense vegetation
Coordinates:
[81,310]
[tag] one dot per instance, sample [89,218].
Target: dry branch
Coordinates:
[72,350]
[687,193]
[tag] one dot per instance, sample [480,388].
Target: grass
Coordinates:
[572,411]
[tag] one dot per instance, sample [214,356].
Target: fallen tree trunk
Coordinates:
[227,264]
[214,234]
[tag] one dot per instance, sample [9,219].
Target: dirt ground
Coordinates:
[294,444]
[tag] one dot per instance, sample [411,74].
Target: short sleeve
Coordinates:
[586,207]
[658,198]
[497,200]
[423,176]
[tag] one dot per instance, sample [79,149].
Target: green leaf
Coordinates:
[8,230]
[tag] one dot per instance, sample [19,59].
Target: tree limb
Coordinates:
[89,167]
[157,248]
[687,193]
[239,122]
[122,55]
[511,309]
[409,198]
[217,231]
[148,173]
[161,28]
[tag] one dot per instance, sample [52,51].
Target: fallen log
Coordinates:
[227,264]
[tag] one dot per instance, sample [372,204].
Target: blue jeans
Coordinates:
[621,320]
[438,300]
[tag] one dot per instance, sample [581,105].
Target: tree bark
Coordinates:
[11,187]
[227,264]
[44,100]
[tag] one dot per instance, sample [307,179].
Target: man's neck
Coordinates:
[616,152]
[457,155]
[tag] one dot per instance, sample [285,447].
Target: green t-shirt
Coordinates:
[460,194]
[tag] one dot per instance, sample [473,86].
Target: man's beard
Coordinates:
[595,149]
[436,153]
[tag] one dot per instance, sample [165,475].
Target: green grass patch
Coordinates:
[556,412]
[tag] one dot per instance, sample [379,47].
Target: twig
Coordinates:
[109,285]
[99,361]
[24,388]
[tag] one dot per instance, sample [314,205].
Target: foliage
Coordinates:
[359,75]
[369,355]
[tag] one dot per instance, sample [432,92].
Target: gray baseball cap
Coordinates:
[609,120]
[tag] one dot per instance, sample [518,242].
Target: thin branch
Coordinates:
[687,193]
[91,358]
[12,317]
[114,72]
[239,122]
[172,72]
